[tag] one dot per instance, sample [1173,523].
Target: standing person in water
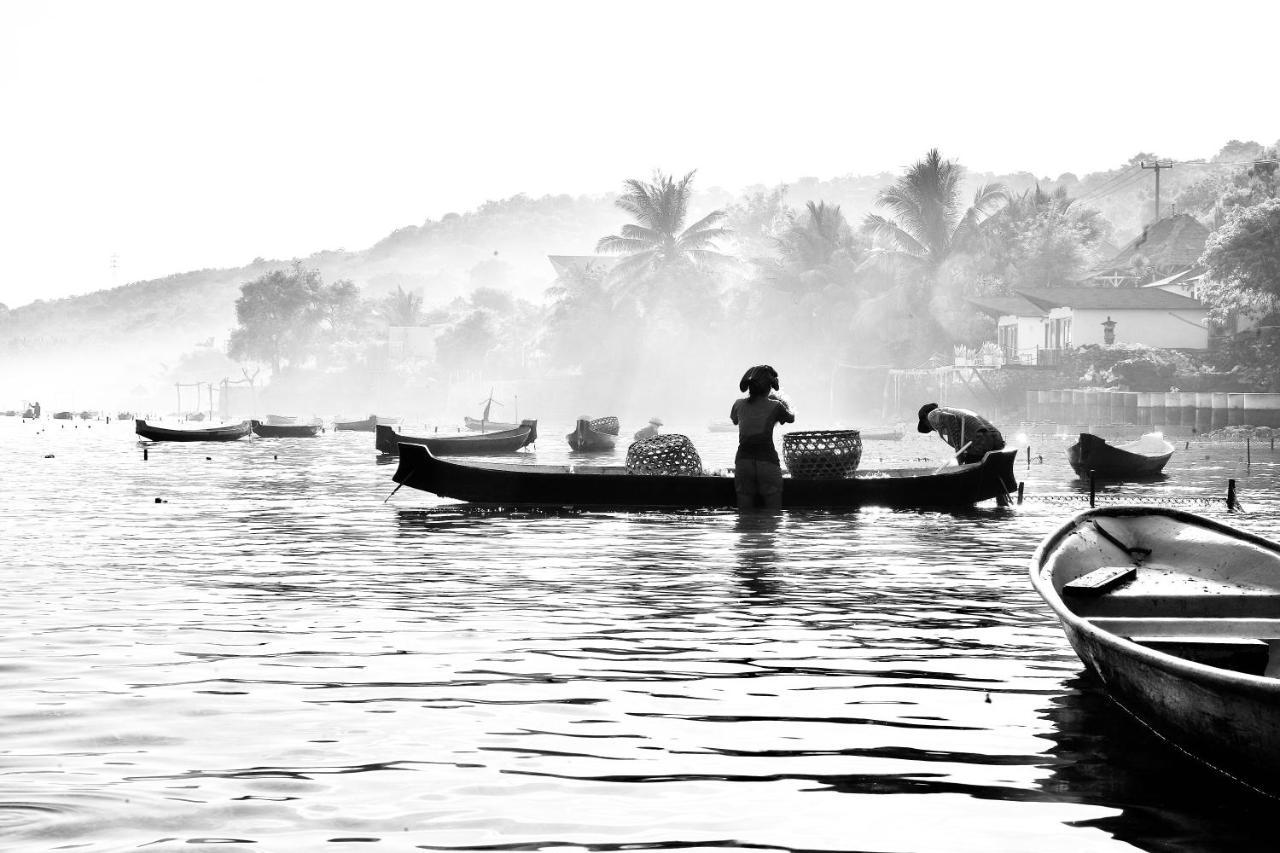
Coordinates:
[970,434]
[757,473]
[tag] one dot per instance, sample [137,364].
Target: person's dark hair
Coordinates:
[923,426]
[759,380]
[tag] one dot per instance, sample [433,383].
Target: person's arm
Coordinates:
[733,412]
[785,415]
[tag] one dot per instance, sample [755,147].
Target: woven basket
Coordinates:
[608,426]
[671,453]
[822,454]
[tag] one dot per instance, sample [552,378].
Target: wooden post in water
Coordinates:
[1092,490]
[1248,450]
[144,454]
[1029,456]
[1021,486]
[1231,495]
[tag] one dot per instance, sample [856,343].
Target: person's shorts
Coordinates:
[982,441]
[754,477]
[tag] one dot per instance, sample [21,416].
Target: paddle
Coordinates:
[959,453]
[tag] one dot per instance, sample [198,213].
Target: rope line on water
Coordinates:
[1153,500]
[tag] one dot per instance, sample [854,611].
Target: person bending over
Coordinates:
[970,434]
[757,473]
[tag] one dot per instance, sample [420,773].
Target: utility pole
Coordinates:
[1157,165]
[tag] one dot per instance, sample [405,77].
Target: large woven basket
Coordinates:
[608,426]
[671,453]
[822,454]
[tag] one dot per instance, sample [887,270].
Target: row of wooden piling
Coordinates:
[1202,410]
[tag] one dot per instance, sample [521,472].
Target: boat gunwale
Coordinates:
[1191,670]
[962,473]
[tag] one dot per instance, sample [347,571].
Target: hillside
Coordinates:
[128,341]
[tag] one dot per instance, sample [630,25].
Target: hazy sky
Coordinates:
[183,135]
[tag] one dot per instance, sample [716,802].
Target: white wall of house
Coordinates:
[1178,329]
[1026,330]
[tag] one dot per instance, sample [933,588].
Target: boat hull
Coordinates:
[365,425]
[1092,453]
[227,433]
[561,486]
[1225,718]
[285,430]
[508,441]
[488,426]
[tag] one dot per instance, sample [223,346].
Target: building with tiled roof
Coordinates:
[1170,246]
[1034,325]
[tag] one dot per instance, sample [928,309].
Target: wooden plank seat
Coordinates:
[1248,645]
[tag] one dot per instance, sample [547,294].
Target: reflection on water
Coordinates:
[271,657]
[1168,801]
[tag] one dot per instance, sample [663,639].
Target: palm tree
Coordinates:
[658,243]
[929,223]
[402,308]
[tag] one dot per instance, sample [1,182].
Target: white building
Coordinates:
[1035,325]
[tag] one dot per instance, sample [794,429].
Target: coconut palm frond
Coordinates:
[892,234]
[615,245]
[641,233]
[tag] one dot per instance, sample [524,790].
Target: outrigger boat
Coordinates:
[613,487]
[1179,617]
[481,425]
[223,433]
[507,441]
[284,430]
[1145,457]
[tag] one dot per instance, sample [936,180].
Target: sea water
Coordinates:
[246,646]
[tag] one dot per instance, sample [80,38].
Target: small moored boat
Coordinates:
[590,436]
[63,416]
[481,425]
[284,430]
[507,441]
[881,434]
[1179,617]
[365,425]
[615,487]
[221,433]
[1145,457]
[281,420]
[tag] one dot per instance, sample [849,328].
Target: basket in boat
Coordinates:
[671,453]
[822,454]
[608,426]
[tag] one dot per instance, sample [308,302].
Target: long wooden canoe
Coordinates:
[1179,617]
[612,487]
[1145,457]
[507,441]
[285,430]
[223,433]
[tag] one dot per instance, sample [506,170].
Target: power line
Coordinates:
[1105,186]
[1102,192]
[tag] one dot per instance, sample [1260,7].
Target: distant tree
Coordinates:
[281,313]
[402,308]
[1041,239]
[756,221]
[1242,261]
[464,345]
[929,220]
[658,243]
